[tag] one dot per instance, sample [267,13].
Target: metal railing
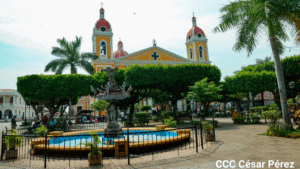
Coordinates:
[141,143]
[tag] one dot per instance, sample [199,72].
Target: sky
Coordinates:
[29,29]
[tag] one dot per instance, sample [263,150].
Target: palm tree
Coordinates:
[252,17]
[69,55]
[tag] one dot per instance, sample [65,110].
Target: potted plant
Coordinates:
[95,156]
[11,142]
[208,127]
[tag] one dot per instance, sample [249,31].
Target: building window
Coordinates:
[191,53]
[32,115]
[103,28]
[1,100]
[201,51]
[189,37]
[103,48]
[19,112]
[199,35]
[11,100]
[20,100]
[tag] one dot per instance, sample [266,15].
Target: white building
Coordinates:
[12,103]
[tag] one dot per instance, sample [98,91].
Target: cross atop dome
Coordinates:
[101,11]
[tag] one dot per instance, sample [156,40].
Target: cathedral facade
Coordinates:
[196,48]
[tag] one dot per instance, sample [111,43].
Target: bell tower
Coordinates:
[196,43]
[102,37]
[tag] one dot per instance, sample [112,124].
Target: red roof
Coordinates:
[6,90]
[103,22]
[266,96]
[120,43]
[119,53]
[196,31]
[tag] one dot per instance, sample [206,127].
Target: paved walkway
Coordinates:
[234,142]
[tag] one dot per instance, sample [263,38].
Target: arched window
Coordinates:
[19,112]
[199,35]
[191,53]
[103,48]
[11,101]
[201,51]
[189,37]
[20,100]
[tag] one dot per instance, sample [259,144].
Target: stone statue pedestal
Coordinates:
[113,94]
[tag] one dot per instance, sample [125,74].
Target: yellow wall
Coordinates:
[188,49]
[107,39]
[197,50]
[146,56]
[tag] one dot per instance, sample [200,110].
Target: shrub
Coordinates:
[128,124]
[272,115]
[238,119]
[41,131]
[273,106]
[12,141]
[145,108]
[142,117]
[166,114]
[26,123]
[276,130]
[170,122]
[207,126]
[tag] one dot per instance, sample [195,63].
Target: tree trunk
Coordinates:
[262,99]
[281,84]
[131,112]
[248,106]
[174,107]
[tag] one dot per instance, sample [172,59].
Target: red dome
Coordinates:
[119,53]
[102,22]
[196,31]
[120,43]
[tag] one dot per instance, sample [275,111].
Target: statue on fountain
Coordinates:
[113,94]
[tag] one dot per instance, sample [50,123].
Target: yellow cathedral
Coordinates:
[196,47]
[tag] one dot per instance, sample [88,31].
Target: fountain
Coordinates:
[113,94]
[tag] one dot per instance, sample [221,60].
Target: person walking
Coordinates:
[14,123]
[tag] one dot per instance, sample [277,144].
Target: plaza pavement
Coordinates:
[234,142]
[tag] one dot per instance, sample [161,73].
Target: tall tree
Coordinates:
[205,92]
[69,55]
[253,16]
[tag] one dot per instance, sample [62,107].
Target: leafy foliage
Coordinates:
[95,148]
[170,122]
[146,108]
[205,92]
[69,55]
[100,105]
[12,141]
[41,131]
[273,115]
[142,118]
[208,127]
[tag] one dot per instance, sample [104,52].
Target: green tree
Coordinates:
[69,55]
[54,91]
[100,105]
[254,82]
[205,92]
[251,17]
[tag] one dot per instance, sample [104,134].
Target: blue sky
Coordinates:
[28,30]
